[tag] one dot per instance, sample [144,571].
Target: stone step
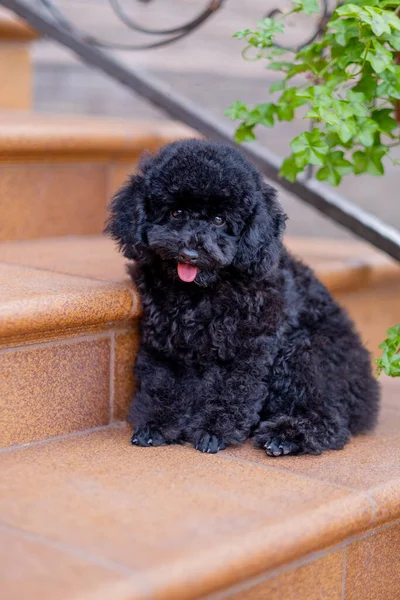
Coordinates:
[89,517]
[68,326]
[16,83]
[67,337]
[58,173]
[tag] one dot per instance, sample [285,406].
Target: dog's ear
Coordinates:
[260,245]
[126,223]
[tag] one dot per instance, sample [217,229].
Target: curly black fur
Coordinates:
[255,346]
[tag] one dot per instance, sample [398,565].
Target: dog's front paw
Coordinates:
[282,436]
[147,436]
[210,443]
[277,446]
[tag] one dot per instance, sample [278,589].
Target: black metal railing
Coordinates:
[325,200]
[166,36]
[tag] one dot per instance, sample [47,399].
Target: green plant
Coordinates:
[389,362]
[351,89]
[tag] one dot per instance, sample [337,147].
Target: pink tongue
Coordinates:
[186,272]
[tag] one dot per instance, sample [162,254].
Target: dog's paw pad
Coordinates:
[210,443]
[147,436]
[277,447]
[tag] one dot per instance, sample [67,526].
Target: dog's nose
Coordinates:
[188,255]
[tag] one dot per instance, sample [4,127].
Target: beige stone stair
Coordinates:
[69,317]
[91,517]
[57,174]
[15,62]
[83,514]
[86,516]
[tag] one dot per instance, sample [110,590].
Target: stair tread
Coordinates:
[39,302]
[74,282]
[24,134]
[171,523]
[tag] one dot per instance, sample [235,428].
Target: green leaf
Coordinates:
[244,133]
[287,104]
[307,6]
[289,170]
[332,139]
[309,148]
[354,54]
[348,10]
[394,41]
[270,26]
[296,69]
[385,122]
[390,85]
[366,131]
[378,24]
[357,101]
[335,167]
[392,19]
[368,2]
[344,30]
[394,334]
[277,86]
[323,114]
[347,130]
[237,110]
[381,59]
[280,66]
[262,114]
[360,160]
[367,84]
[369,161]
[240,35]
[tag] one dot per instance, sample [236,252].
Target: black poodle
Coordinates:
[238,338]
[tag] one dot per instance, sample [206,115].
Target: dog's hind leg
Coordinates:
[315,387]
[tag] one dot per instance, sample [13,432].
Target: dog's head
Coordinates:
[199,207]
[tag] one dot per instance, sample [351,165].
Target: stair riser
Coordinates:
[373,310]
[70,384]
[15,76]
[65,386]
[343,573]
[55,199]
[15,62]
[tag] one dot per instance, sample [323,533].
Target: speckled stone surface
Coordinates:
[321,579]
[96,257]
[366,462]
[37,570]
[42,200]
[37,137]
[126,347]
[183,525]
[54,389]
[58,173]
[183,519]
[373,566]
[93,257]
[117,174]
[370,463]
[34,301]
[15,76]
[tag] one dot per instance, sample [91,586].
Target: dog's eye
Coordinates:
[176,214]
[218,221]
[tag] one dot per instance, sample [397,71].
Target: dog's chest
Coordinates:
[206,328]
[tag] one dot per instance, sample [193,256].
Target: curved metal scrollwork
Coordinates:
[323,18]
[169,35]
